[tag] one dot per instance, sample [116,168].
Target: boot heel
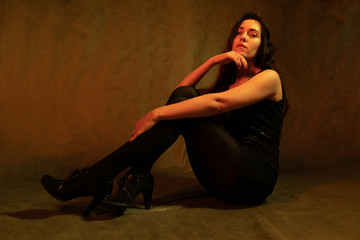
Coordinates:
[94,203]
[147,194]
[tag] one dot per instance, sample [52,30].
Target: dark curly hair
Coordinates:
[264,58]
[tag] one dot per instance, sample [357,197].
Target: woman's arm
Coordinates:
[195,76]
[264,85]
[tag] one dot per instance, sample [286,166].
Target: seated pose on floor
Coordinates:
[231,131]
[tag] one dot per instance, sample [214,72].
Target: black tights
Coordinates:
[218,161]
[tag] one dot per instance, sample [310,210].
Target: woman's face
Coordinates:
[248,39]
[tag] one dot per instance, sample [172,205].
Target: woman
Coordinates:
[231,131]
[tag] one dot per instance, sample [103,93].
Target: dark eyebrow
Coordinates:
[254,30]
[251,29]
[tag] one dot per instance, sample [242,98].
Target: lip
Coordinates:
[241,45]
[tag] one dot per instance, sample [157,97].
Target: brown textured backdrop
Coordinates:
[75,75]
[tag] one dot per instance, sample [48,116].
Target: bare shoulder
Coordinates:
[268,78]
[269,81]
[269,75]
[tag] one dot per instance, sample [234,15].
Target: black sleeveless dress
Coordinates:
[257,128]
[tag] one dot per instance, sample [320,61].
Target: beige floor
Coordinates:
[303,206]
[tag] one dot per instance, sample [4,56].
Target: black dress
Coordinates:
[257,129]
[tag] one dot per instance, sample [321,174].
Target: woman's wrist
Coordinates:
[212,61]
[156,114]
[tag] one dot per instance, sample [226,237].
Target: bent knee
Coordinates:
[186,91]
[183,93]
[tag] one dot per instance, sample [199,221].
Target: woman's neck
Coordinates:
[243,73]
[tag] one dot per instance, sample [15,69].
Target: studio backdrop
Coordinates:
[76,74]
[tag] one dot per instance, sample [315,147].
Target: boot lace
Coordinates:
[77,173]
[74,174]
[124,182]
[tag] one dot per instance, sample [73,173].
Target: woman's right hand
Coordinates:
[231,56]
[195,76]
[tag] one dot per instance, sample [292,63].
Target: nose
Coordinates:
[244,36]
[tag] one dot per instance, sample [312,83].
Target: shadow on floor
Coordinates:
[181,191]
[193,197]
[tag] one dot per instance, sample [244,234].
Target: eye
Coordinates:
[253,34]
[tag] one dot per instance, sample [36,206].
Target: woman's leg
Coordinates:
[142,153]
[224,167]
[221,165]
[214,156]
[145,149]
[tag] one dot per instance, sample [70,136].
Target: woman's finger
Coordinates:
[243,62]
[238,63]
[134,135]
[241,59]
[236,57]
[236,60]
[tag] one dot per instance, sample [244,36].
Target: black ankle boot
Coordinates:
[78,184]
[130,187]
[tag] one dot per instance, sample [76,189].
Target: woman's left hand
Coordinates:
[144,124]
